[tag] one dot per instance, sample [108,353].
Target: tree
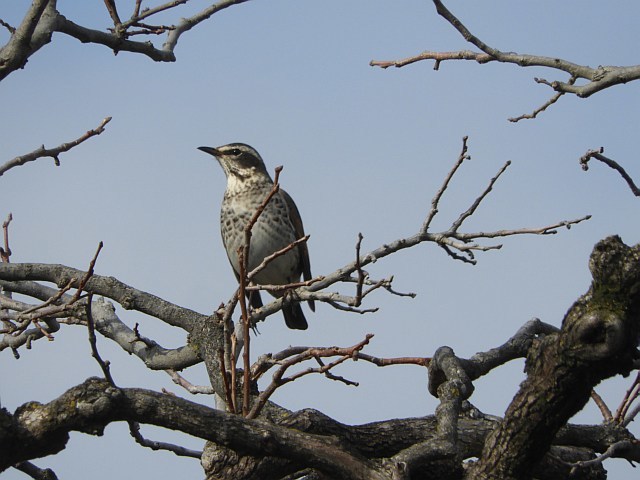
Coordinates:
[259,438]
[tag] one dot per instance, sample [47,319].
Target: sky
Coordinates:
[364,150]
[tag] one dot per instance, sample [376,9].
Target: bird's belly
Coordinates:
[266,239]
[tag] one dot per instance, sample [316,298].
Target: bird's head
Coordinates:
[239,161]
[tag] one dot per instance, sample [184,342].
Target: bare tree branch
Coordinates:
[35,472]
[598,155]
[597,79]
[52,152]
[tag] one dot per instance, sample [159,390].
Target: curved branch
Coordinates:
[598,155]
[53,152]
[36,429]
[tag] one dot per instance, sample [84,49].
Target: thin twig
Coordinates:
[471,210]
[88,275]
[134,430]
[597,154]
[361,273]
[11,29]
[187,385]
[104,365]
[231,407]
[436,198]
[146,13]
[276,254]
[278,378]
[544,106]
[622,445]
[633,392]
[246,387]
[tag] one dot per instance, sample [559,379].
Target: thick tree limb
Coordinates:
[26,40]
[43,19]
[129,297]
[36,429]
[598,339]
[336,449]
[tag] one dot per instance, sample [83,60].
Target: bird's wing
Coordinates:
[296,220]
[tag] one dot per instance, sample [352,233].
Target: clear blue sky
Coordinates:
[364,150]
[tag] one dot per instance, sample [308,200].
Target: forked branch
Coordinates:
[597,79]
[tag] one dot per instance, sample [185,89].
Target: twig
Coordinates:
[5,252]
[227,388]
[471,210]
[279,288]
[136,9]
[331,376]
[104,365]
[544,106]
[384,283]
[134,430]
[53,152]
[146,13]
[11,29]
[276,254]
[597,154]
[630,396]
[548,230]
[437,56]
[243,262]
[187,385]
[278,378]
[436,199]
[113,13]
[246,387]
[361,273]
[621,445]
[385,362]
[606,412]
[88,275]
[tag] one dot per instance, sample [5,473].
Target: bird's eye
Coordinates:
[235,152]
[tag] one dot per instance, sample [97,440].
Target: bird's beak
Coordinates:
[210,151]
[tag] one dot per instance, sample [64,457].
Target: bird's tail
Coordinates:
[294,317]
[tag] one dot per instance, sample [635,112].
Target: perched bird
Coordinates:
[279,225]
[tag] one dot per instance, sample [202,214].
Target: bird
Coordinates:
[279,225]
